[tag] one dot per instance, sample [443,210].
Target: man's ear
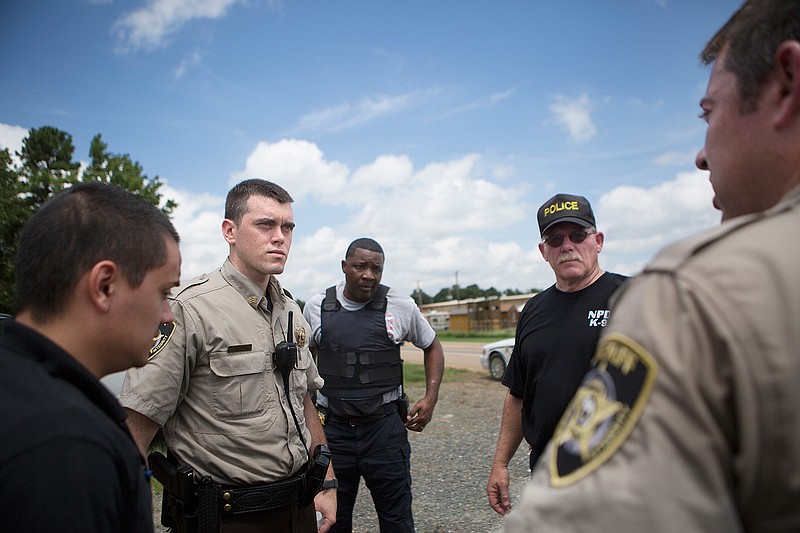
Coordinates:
[600,239]
[787,72]
[228,228]
[102,280]
[344,263]
[541,250]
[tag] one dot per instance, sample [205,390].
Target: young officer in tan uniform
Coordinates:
[214,386]
[690,418]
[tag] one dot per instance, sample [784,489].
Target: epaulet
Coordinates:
[191,283]
[672,257]
[288,294]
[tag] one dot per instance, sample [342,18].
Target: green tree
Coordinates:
[121,170]
[45,168]
[13,214]
[421,297]
[444,295]
[46,164]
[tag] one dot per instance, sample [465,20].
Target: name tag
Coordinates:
[240,348]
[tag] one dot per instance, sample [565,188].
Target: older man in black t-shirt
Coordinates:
[556,336]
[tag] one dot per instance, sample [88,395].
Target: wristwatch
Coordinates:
[330,484]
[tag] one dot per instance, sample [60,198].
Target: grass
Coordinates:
[474,336]
[414,374]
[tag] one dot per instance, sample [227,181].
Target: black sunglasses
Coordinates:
[577,237]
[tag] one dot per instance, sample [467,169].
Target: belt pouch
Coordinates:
[209,504]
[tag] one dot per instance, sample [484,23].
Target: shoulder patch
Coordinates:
[165,332]
[603,411]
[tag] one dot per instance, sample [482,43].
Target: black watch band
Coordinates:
[330,484]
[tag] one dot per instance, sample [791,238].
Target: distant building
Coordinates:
[476,314]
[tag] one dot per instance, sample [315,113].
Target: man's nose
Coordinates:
[701,161]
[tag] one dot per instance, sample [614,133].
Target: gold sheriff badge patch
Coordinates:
[603,411]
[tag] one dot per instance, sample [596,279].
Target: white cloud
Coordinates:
[445,198]
[498,97]
[149,27]
[188,62]
[575,116]
[198,220]
[11,137]
[298,166]
[349,115]
[640,221]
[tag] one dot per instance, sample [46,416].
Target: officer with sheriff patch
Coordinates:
[230,384]
[690,417]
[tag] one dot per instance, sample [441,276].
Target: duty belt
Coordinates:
[385,409]
[236,501]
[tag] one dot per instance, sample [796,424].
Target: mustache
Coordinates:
[569,256]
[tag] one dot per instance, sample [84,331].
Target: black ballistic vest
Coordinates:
[356,357]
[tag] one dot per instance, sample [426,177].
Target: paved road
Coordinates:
[456,354]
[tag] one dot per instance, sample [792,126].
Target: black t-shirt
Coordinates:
[555,340]
[67,460]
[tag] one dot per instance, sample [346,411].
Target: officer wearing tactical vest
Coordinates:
[358,327]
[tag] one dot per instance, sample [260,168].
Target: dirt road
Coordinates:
[456,354]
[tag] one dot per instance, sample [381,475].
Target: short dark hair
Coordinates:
[364,242]
[750,39]
[236,202]
[81,225]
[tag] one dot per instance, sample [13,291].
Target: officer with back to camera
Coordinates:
[689,419]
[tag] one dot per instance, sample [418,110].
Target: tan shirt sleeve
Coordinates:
[660,459]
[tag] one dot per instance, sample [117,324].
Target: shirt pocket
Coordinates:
[238,387]
[299,377]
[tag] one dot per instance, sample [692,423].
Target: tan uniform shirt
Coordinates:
[690,420]
[214,387]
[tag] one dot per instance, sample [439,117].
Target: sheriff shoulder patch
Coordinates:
[165,332]
[604,410]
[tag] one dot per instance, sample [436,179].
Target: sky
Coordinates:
[435,127]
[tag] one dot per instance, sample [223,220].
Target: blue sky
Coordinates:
[436,127]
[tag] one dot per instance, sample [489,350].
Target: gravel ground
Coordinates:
[450,462]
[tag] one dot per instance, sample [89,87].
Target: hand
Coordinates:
[421,414]
[325,503]
[497,489]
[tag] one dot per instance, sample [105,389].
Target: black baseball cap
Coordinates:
[565,208]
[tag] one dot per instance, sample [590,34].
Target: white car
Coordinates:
[495,357]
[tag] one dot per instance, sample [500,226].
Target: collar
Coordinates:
[250,291]
[28,343]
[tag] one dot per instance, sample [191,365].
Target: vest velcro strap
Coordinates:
[345,371]
[377,358]
[380,374]
[348,358]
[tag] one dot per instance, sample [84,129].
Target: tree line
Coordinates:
[464,293]
[43,167]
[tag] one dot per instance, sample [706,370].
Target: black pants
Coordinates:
[380,452]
